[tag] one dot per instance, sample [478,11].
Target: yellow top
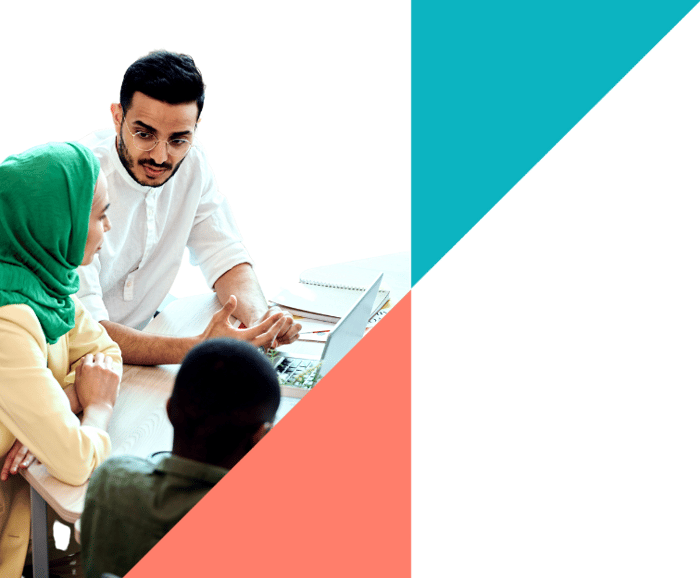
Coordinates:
[34,409]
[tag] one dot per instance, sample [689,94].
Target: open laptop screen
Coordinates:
[350,329]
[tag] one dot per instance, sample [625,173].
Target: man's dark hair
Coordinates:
[225,390]
[165,76]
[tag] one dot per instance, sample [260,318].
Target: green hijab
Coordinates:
[45,203]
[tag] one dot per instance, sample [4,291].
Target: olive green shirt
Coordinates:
[131,503]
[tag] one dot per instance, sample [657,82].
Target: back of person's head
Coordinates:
[225,398]
[165,76]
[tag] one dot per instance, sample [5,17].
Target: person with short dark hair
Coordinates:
[164,200]
[224,401]
[165,76]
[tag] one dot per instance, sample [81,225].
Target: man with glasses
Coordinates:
[164,199]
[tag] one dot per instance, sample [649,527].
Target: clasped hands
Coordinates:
[274,328]
[96,382]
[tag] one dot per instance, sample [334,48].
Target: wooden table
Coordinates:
[140,425]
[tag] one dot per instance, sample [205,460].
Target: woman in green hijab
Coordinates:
[55,361]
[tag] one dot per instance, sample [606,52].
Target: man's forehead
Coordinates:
[161,116]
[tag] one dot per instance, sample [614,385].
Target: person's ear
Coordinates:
[261,431]
[117,115]
[175,414]
[169,410]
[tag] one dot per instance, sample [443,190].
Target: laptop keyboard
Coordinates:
[301,372]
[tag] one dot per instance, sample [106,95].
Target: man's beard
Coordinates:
[128,162]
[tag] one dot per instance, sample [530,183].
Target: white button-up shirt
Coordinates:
[151,226]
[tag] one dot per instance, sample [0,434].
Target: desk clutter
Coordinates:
[317,331]
[298,372]
[327,294]
[304,371]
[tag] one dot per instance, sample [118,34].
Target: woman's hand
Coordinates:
[75,406]
[96,383]
[19,457]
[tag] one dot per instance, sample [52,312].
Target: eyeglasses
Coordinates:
[145,141]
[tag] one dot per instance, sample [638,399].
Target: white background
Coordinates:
[556,419]
[306,120]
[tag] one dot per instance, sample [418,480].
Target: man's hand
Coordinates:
[289,333]
[18,457]
[262,334]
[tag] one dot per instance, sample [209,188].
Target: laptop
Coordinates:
[303,370]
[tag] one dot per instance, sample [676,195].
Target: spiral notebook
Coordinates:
[327,294]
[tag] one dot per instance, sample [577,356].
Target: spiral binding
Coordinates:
[332,285]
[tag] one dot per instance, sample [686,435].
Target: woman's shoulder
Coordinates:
[21,315]
[79,307]
[18,324]
[83,319]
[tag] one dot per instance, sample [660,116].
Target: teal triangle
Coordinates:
[495,85]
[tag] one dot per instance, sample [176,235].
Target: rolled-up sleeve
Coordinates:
[90,292]
[215,243]
[33,407]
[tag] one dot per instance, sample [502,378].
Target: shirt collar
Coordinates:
[183,467]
